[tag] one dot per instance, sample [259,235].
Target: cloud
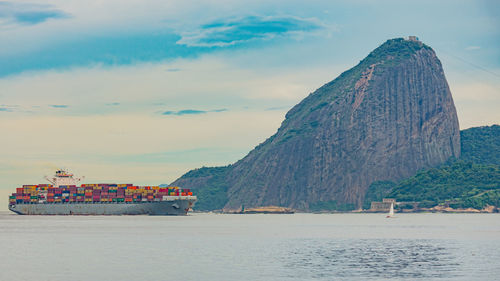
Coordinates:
[89,51]
[221,33]
[472,48]
[278,108]
[8,108]
[109,47]
[191,112]
[219,110]
[29,14]
[113,104]
[59,106]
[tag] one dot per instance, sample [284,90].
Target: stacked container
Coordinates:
[93,193]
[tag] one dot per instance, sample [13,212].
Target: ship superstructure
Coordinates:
[63,197]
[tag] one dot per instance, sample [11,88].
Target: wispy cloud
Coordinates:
[26,13]
[219,110]
[472,48]
[277,108]
[234,31]
[113,104]
[192,112]
[59,106]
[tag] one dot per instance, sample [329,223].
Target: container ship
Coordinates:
[63,197]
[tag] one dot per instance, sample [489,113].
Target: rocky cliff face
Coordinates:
[384,119]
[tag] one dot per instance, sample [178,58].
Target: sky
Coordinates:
[143,91]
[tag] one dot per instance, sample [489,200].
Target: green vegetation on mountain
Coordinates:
[214,195]
[461,183]
[481,145]
[472,181]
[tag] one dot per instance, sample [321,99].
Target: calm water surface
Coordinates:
[251,247]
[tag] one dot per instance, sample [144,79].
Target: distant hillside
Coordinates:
[213,195]
[464,184]
[481,145]
[384,119]
[473,181]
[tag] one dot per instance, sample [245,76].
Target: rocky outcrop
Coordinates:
[384,119]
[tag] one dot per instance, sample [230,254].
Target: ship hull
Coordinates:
[173,207]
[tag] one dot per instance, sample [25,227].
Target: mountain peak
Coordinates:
[384,119]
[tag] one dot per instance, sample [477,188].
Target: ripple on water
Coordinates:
[372,259]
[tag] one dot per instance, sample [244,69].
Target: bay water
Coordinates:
[203,246]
